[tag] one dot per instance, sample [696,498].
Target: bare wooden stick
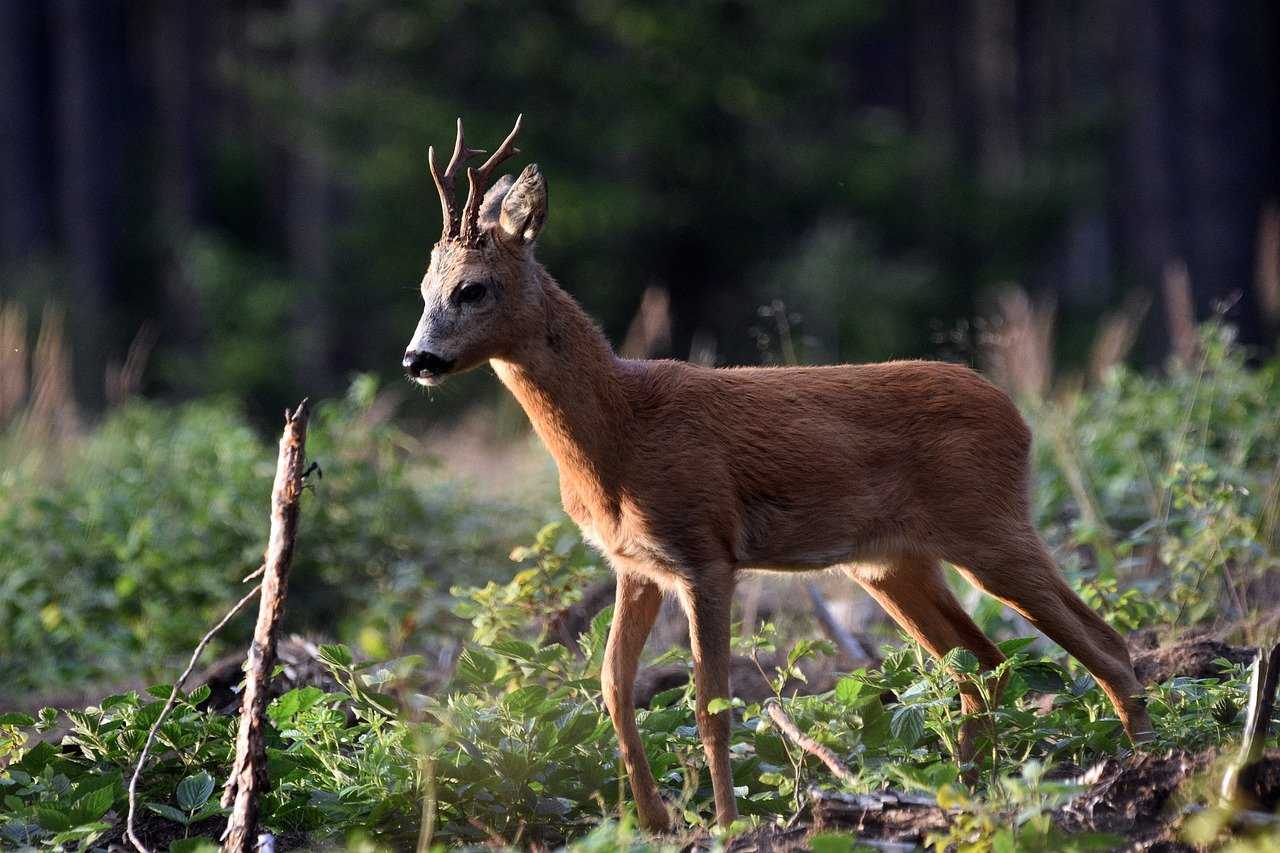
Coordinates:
[846,642]
[788,727]
[1262,703]
[168,706]
[248,777]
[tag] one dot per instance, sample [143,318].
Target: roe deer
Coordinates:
[683,476]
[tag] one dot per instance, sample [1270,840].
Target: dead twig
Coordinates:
[1262,703]
[168,706]
[786,725]
[248,777]
[845,641]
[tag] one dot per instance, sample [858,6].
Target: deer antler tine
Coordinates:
[444,188]
[477,180]
[505,151]
[461,153]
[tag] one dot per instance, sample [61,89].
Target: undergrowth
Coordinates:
[134,546]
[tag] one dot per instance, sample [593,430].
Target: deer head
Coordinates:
[481,291]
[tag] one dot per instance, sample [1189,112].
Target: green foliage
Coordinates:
[1184,470]
[516,746]
[126,557]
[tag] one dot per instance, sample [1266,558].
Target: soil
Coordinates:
[1190,657]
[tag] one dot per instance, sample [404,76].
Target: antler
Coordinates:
[445,183]
[478,180]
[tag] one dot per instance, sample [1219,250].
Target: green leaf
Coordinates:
[514,649]
[52,819]
[718,704]
[93,805]
[666,697]
[169,812]
[477,668]
[580,725]
[193,791]
[848,690]
[524,700]
[335,655]
[1043,676]
[38,757]
[1013,646]
[15,718]
[771,749]
[907,725]
[288,706]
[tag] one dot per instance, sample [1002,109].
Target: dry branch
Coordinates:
[845,641]
[788,727]
[168,706]
[1262,703]
[248,778]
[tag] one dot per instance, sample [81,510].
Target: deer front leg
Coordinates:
[707,604]
[634,612]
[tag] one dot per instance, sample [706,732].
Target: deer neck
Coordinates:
[569,383]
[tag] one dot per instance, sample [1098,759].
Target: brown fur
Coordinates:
[683,476]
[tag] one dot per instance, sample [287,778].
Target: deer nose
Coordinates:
[421,363]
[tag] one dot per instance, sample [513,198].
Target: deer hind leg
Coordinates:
[635,610]
[914,592]
[1020,572]
[707,604]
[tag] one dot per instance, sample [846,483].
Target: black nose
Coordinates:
[418,363]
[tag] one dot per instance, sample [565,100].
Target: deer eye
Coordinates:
[472,291]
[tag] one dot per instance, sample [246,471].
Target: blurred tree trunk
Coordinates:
[994,71]
[1193,160]
[177,67]
[26,217]
[86,37]
[1222,163]
[310,200]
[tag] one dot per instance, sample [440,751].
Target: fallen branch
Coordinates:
[846,642]
[168,706]
[248,777]
[1257,721]
[786,725]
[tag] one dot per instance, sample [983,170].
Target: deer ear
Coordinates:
[493,199]
[524,207]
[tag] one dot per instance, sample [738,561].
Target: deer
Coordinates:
[685,476]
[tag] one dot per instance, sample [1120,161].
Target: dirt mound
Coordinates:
[1192,657]
[1131,797]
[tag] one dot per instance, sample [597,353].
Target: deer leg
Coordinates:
[707,606]
[1020,572]
[635,609]
[914,592]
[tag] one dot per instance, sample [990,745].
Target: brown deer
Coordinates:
[684,476]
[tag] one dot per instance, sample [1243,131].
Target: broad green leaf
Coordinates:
[168,812]
[193,791]
[580,726]
[93,805]
[1012,646]
[476,668]
[524,700]
[52,819]
[288,706]
[907,725]
[15,718]
[335,655]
